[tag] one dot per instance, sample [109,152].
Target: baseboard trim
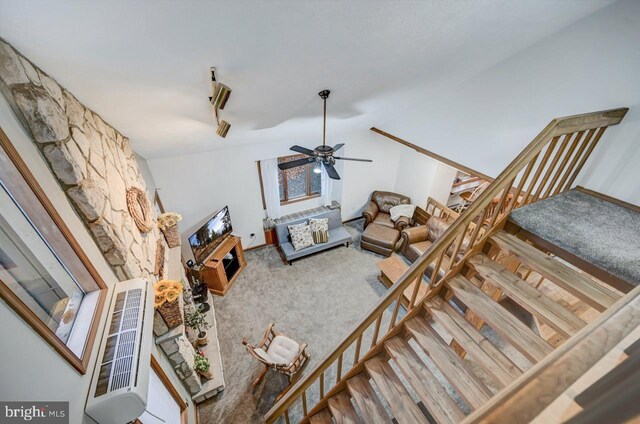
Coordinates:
[255,247]
[353,219]
[609,199]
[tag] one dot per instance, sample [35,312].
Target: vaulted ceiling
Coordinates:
[144,65]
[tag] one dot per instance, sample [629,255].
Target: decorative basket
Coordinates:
[172,235]
[167,301]
[170,312]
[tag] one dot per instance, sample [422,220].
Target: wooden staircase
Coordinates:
[449,349]
[402,378]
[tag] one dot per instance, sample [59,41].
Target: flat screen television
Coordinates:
[210,235]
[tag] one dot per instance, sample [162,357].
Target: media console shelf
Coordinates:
[221,269]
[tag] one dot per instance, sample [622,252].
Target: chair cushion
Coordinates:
[437,227]
[283,350]
[264,355]
[386,200]
[420,247]
[383,219]
[381,235]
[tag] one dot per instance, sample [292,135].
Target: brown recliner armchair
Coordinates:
[377,211]
[417,240]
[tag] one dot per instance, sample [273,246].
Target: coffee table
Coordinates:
[391,269]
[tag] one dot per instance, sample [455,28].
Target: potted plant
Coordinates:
[168,224]
[197,321]
[201,365]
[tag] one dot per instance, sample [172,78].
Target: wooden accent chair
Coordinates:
[470,196]
[280,353]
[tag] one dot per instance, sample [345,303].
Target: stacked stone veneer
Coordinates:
[95,166]
[92,161]
[182,355]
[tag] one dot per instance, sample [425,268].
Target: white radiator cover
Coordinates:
[120,382]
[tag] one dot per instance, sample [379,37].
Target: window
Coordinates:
[299,183]
[44,275]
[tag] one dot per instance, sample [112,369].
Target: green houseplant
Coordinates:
[201,365]
[197,321]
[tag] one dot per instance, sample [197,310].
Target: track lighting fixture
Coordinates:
[220,95]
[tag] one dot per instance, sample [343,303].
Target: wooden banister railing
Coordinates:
[548,165]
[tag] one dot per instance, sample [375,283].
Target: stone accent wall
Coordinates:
[182,356]
[92,161]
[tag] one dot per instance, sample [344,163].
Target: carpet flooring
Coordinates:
[600,232]
[318,300]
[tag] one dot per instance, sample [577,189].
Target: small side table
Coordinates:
[391,269]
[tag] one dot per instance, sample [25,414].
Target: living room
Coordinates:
[295,187]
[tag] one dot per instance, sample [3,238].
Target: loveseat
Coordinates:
[337,235]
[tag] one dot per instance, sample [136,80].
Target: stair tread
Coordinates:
[496,363]
[322,417]
[526,341]
[342,409]
[404,409]
[365,397]
[533,300]
[434,396]
[581,286]
[454,369]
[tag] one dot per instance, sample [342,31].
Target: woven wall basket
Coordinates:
[172,235]
[170,313]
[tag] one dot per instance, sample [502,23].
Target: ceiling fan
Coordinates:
[323,153]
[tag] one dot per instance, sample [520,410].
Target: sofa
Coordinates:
[338,235]
[377,210]
[417,240]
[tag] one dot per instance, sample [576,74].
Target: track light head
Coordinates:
[223,129]
[220,96]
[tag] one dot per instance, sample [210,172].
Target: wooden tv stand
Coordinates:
[218,273]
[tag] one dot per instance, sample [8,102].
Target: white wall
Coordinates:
[196,186]
[359,178]
[29,368]
[486,120]
[421,177]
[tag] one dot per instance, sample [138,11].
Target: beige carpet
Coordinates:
[318,300]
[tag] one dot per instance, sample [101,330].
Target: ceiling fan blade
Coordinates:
[294,163]
[359,160]
[337,147]
[304,150]
[331,171]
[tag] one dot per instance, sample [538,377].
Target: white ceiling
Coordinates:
[143,65]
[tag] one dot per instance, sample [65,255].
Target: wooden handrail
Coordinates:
[433,155]
[478,211]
